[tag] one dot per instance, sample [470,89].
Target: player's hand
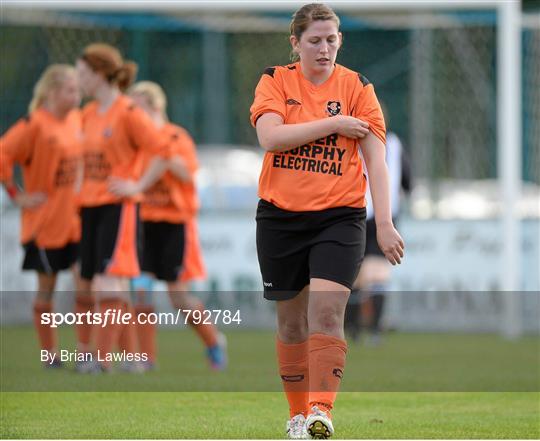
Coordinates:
[124,187]
[30,200]
[351,127]
[390,243]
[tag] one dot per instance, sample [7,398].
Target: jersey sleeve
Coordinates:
[184,146]
[16,146]
[144,134]
[269,96]
[367,108]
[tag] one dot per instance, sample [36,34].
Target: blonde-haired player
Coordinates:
[170,250]
[47,146]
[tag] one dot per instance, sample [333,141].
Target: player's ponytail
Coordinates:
[108,61]
[50,79]
[126,75]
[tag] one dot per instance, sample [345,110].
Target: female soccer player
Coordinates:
[310,117]
[116,131]
[168,212]
[47,145]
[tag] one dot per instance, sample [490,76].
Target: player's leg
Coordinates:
[327,352]
[84,300]
[373,280]
[334,264]
[142,291]
[43,304]
[44,263]
[213,340]
[283,254]
[292,353]
[353,321]
[116,262]
[84,304]
[142,288]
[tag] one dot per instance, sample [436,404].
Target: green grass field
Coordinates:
[413,386]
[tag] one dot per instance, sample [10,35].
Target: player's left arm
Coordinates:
[183,162]
[390,242]
[146,138]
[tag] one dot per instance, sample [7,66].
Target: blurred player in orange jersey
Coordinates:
[171,250]
[116,134]
[47,144]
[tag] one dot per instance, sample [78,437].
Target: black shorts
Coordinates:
[110,242]
[294,247]
[49,260]
[163,249]
[372,246]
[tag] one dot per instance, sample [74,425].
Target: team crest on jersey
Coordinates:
[333,108]
[107,133]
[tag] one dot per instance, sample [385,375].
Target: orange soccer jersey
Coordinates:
[49,151]
[327,172]
[170,199]
[114,144]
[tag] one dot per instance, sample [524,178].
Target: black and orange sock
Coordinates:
[326,365]
[84,304]
[294,373]
[146,332]
[46,334]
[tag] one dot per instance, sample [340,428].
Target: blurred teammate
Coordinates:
[47,145]
[170,250]
[116,133]
[310,117]
[368,294]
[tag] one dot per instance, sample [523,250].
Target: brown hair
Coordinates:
[107,60]
[306,15]
[50,79]
[153,93]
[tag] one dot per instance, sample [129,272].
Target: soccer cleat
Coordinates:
[56,364]
[148,366]
[319,425]
[296,427]
[217,354]
[90,367]
[131,367]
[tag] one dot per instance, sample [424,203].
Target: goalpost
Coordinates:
[509,116]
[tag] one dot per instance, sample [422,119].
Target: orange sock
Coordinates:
[207,332]
[146,333]
[84,303]
[108,336]
[326,365]
[294,373]
[46,334]
[127,341]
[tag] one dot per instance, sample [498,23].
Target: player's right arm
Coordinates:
[268,117]
[16,147]
[276,136]
[183,163]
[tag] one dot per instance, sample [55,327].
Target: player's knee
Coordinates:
[326,321]
[293,331]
